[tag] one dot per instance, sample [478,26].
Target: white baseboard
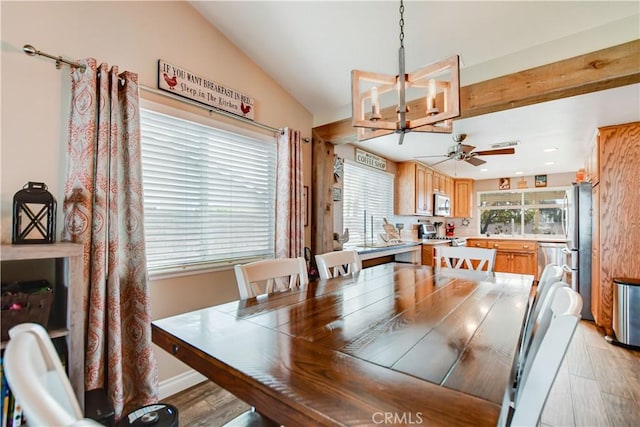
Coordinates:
[178,383]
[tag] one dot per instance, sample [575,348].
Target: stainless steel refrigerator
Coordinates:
[579,243]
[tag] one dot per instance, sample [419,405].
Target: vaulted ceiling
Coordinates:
[310,47]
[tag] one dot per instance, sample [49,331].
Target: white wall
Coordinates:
[132,35]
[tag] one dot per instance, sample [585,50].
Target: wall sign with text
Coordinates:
[371,160]
[179,81]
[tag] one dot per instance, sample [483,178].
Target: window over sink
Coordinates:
[209,191]
[524,212]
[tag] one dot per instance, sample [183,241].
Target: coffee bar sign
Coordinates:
[371,160]
[179,81]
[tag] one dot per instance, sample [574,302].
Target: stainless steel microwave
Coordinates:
[441,205]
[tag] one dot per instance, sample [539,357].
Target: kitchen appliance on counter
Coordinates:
[451,229]
[426,231]
[578,248]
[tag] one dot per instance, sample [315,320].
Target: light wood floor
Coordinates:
[598,386]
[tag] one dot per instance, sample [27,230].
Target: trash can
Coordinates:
[626,310]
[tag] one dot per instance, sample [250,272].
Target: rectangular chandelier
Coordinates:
[379,99]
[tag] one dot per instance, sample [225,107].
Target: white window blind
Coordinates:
[208,194]
[367,192]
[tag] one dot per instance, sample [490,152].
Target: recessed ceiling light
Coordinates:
[549,163]
[519,173]
[484,170]
[550,150]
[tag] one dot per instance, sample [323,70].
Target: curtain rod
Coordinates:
[210,108]
[32,51]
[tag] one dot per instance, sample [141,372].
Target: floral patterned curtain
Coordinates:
[103,210]
[289,221]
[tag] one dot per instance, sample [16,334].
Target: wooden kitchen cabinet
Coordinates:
[515,256]
[61,264]
[477,243]
[616,239]
[462,198]
[438,182]
[595,254]
[429,252]
[413,190]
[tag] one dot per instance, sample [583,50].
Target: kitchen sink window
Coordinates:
[209,192]
[367,193]
[530,211]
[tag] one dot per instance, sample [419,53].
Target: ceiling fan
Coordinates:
[465,152]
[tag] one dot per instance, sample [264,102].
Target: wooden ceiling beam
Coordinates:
[604,69]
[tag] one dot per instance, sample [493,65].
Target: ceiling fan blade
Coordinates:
[498,151]
[424,157]
[475,161]
[441,161]
[466,148]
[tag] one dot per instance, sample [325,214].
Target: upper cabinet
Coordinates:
[413,189]
[438,182]
[416,185]
[462,196]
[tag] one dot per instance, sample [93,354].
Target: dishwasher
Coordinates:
[552,253]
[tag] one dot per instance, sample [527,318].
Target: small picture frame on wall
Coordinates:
[541,180]
[505,183]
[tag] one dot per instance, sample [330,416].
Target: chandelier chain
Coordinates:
[401,24]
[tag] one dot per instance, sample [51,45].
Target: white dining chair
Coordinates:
[38,380]
[536,326]
[267,276]
[551,274]
[523,406]
[462,257]
[338,263]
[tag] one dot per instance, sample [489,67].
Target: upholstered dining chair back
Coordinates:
[269,275]
[38,380]
[543,361]
[462,257]
[338,263]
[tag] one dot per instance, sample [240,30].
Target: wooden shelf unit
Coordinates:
[67,313]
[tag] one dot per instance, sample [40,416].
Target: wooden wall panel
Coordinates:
[321,203]
[619,211]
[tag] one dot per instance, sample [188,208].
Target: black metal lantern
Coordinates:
[34,215]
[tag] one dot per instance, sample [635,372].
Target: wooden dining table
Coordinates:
[396,344]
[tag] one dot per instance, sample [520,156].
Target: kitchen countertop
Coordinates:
[539,238]
[434,241]
[403,247]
